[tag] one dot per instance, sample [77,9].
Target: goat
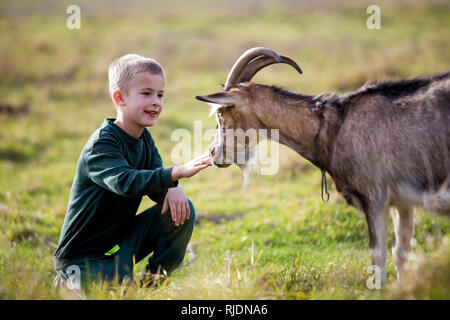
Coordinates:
[384,145]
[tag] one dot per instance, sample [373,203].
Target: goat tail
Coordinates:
[435,202]
[438,202]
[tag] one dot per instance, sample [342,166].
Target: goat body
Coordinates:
[385,145]
[391,145]
[392,148]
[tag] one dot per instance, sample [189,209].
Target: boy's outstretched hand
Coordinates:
[190,168]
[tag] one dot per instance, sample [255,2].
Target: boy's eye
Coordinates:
[146,93]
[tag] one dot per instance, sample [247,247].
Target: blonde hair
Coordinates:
[124,69]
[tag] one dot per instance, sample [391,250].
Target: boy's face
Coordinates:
[143,102]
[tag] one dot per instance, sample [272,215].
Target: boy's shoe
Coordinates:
[152,280]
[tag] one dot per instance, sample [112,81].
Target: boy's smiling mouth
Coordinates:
[151,113]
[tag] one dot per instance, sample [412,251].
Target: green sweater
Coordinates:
[114,172]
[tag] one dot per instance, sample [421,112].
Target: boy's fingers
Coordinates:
[164,207]
[203,158]
[178,214]
[203,166]
[173,213]
[199,168]
[182,213]
[200,162]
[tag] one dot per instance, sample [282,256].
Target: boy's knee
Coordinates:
[192,211]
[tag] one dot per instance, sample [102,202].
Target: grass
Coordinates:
[302,248]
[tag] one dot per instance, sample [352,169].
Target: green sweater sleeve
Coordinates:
[107,167]
[157,162]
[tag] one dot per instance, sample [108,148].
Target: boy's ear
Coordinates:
[118,98]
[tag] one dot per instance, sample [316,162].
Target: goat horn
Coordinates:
[244,59]
[261,62]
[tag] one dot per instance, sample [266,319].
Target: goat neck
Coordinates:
[293,114]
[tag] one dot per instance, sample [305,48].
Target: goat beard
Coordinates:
[250,161]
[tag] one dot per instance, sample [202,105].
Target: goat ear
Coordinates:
[217,101]
[223,98]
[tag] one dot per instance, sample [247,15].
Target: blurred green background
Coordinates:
[54,94]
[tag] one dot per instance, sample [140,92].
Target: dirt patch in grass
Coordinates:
[218,218]
[13,155]
[23,235]
[10,110]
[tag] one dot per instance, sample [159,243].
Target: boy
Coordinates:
[102,237]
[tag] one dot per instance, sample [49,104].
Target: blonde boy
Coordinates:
[102,237]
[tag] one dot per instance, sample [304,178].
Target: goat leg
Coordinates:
[378,221]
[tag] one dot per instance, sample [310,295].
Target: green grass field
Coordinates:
[276,240]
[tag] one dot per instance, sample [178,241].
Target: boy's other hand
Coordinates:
[192,167]
[177,202]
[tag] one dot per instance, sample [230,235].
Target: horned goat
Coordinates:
[385,145]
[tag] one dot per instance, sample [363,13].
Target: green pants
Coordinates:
[151,232]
